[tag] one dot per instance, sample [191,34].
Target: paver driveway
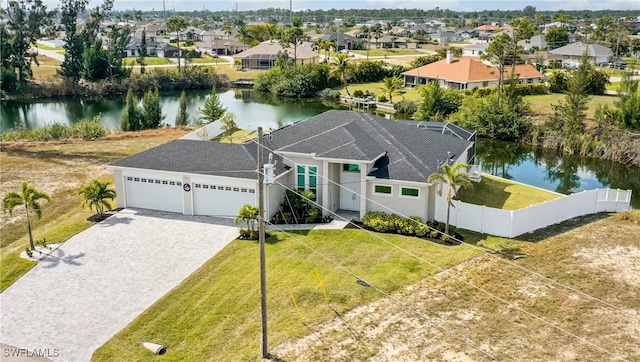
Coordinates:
[103,278]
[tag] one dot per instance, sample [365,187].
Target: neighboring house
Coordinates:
[154,49]
[399,31]
[158,29]
[446,36]
[422,29]
[487,28]
[468,34]
[536,42]
[195,34]
[341,40]
[264,55]
[474,50]
[391,41]
[223,46]
[572,52]
[466,73]
[352,161]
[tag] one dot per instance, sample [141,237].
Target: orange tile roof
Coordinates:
[487,27]
[465,70]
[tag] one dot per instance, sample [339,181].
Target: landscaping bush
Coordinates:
[329,93]
[294,82]
[358,93]
[392,223]
[382,98]
[406,107]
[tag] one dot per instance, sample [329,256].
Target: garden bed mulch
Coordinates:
[105,215]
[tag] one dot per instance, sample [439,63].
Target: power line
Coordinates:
[488,293]
[395,300]
[484,251]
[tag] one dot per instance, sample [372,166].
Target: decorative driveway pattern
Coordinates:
[101,279]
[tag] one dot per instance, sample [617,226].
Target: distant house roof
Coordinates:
[477,47]
[535,41]
[397,151]
[578,48]
[487,27]
[273,48]
[464,70]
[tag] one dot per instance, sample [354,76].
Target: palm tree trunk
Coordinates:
[31,245]
[446,225]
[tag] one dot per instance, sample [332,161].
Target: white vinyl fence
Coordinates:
[510,224]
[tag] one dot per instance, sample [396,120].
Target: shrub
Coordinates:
[382,98]
[392,223]
[88,129]
[329,93]
[435,234]
[446,238]
[406,107]
[358,93]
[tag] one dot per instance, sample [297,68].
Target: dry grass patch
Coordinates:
[454,320]
[60,169]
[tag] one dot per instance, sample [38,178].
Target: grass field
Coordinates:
[542,105]
[131,61]
[59,169]
[46,47]
[207,59]
[504,194]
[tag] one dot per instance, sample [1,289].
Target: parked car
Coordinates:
[602,64]
[618,65]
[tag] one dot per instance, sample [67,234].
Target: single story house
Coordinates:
[445,36]
[223,46]
[537,42]
[466,73]
[474,50]
[352,161]
[341,40]
[264,55]
[573,52]
[154,49]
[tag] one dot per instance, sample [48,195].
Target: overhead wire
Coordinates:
[387,295]
[484,251]
[492,295]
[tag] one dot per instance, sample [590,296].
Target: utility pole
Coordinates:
[263,271]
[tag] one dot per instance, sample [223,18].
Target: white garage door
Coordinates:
[154,194]
[221,200]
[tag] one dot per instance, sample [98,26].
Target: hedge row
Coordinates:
[412,226]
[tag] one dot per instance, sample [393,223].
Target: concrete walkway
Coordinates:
[103,278]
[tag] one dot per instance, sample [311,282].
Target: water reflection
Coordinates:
[555,171]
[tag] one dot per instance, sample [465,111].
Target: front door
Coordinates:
[350,189]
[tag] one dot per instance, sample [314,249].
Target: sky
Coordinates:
[457,5]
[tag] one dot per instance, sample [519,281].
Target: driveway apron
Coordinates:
[101,279]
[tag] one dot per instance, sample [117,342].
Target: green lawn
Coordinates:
[215,313]
[207,59]
[387,52]
[615,86]
[503,194]
[375,88]
[542,104]
[46,47]
[147,60]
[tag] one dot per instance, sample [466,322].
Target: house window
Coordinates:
[236,189]
[351,167]
[307,178]
[252,191]
[143,180]
[485,84]
[227,188]
[205,186]
[136,179]
[529,80]
[172,183]
[129,178]
[410,192]
[382,190]
[197,185]
[165,182]
[157,181]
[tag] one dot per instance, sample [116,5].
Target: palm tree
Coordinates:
[454,177]
[29,197]
[342,68]
[226,28]
[248,214]
[367,32]
[377,33]
[244,35]
[325,45]
[391,86]
[97,194]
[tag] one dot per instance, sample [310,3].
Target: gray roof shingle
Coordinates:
[413,152]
